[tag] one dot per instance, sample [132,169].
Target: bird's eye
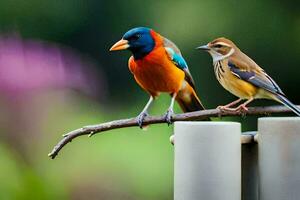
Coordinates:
[218,46]
[135,37]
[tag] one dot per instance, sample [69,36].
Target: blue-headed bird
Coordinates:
[158,66]
[241,76]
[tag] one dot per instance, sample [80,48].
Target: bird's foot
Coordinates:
[226,109]
[242,109]
[168,116]
[141,117]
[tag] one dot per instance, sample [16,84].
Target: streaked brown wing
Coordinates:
[246,69]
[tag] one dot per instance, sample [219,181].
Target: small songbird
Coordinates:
[158,66]
[241,76]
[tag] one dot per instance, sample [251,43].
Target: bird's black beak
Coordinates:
[204,48]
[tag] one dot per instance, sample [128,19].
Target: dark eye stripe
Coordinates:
[135,37]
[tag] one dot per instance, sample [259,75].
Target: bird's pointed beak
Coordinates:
[204,47]
[120,45]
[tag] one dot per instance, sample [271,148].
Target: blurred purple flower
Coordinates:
[27,66]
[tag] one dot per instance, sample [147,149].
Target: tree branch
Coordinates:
[192,116]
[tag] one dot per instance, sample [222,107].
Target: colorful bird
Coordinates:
[158,66]
[241,76]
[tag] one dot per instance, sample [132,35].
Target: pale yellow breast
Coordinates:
[232,83]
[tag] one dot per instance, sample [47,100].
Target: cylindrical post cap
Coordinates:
[207,161]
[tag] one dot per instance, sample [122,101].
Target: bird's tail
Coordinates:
[282,99]
[188,100]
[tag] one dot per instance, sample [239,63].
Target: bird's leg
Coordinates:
[170,112]
[144,113]
[227,107]
[243,107]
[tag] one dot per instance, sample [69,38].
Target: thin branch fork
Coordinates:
[191,116]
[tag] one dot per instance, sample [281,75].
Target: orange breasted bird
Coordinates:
[241,76]
[158,66]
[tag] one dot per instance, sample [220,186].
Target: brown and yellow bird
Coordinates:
[241,76]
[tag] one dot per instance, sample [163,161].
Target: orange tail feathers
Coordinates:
[188,100]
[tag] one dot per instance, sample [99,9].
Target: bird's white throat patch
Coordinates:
[217,56]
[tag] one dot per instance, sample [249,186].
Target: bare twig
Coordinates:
[192,116]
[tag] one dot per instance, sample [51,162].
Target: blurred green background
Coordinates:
[56,74]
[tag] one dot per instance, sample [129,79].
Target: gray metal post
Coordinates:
[279,158]
[207,161]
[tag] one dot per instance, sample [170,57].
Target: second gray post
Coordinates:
[279,158]
[207,161]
